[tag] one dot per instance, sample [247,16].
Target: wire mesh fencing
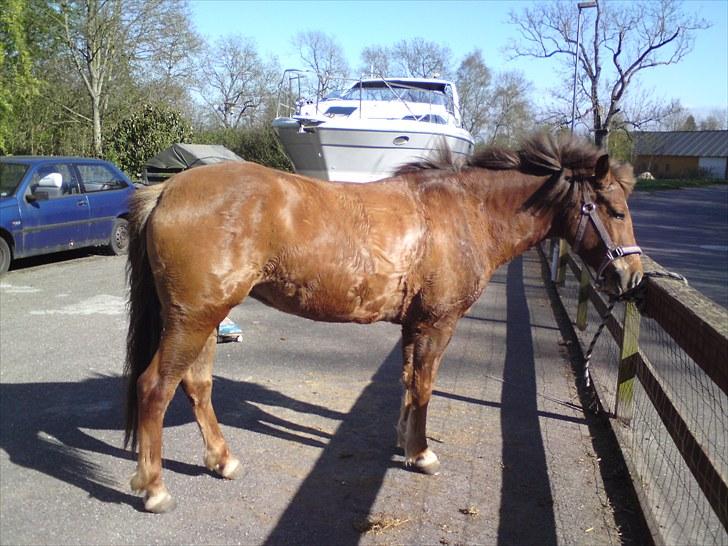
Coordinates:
[668,401]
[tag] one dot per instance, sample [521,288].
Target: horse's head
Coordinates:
[599,228]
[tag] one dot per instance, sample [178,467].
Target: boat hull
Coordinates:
[369,150]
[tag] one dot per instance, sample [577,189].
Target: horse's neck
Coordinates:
[514,228]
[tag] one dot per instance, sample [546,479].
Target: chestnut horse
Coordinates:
[417,249]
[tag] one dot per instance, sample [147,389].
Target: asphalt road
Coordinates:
[686,231]
[310,408]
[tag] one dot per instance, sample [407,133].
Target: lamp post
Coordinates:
[581,6]
[559,245]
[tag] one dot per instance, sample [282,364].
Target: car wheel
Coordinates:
[119,240]
[6,256]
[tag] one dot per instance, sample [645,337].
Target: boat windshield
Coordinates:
[395,92]
[10,176]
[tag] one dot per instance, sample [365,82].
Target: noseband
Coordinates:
[589,212]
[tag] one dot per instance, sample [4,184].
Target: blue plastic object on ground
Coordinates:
[229,331]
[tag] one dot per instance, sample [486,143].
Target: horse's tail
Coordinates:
[145,322]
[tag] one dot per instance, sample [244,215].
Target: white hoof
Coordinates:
[160,503]
[232,469]
[426,462]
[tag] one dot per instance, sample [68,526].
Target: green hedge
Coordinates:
[258,144]
[141,136]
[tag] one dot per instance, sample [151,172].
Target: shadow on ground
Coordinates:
[57,257]
[526,489]
[618,484]
[43,425]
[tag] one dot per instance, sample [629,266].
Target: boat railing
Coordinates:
[285,102]
[290,97]
[449,101]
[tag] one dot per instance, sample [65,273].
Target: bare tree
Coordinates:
[323,55]
[714,121]
[234,80]
[620,40]
[675,119]
[420,58]
[473,80]
[106,37]
[640,110]
[417,58]
[168,67]
[377,61]
[511,115]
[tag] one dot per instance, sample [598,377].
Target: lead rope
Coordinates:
[590,350]
[632,294]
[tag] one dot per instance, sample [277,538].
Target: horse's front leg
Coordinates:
[425,343]
[197,384]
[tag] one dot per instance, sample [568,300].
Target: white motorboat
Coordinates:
[376,126]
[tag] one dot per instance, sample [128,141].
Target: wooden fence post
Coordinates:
[559,252]
[582,310]
[628,356]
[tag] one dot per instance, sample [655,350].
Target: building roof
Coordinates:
[681,143]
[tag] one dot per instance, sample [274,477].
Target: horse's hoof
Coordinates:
[232,470]
[426,463]
[432,469]
[160,503]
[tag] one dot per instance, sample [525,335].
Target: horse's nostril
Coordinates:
[636,279]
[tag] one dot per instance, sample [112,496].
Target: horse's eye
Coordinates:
[617,215]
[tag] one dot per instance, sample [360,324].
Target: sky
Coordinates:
[699,81]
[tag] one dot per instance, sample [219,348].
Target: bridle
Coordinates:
[614,252]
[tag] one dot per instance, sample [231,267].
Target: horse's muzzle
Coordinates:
[623,275]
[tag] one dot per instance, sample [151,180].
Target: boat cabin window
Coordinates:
[427,118]
[339,111]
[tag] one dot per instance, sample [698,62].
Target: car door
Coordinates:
[55,214]
[107,194]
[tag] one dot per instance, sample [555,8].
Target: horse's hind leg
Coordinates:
[408,348]
[178,349]
[423,345]
[197,384]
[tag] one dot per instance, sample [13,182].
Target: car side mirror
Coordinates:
[38,195]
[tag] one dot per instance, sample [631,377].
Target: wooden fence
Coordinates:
[691,325]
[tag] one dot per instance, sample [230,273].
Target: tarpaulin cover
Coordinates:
[179,157]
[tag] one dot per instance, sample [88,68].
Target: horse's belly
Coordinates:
[362,302]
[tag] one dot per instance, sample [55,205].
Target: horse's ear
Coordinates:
[601,170]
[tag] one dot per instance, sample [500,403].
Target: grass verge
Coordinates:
[676,184]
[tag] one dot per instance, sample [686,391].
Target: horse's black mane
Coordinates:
[541,154]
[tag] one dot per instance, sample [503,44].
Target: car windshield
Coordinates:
[10,176]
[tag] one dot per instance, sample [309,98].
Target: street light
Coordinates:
[559,246]
[581,6]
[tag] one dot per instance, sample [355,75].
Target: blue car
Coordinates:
[49,204]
